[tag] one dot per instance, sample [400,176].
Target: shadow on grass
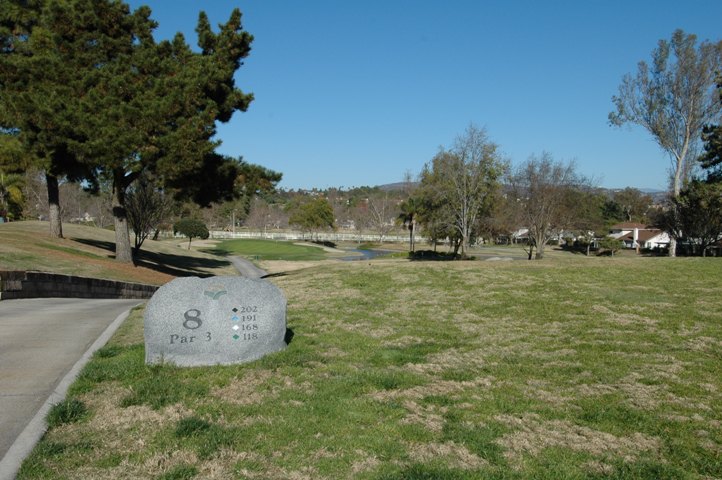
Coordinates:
[277,274]
[179,265]
[432,256]
[176,265]
[221,252]
[288,337]
[102,244]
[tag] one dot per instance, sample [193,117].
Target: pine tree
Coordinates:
[41,56]
[93,96]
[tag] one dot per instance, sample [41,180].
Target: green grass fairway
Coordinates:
[269,250]
[589,368]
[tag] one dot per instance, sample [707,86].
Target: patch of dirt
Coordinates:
[245,390]
[602,309]
[532,435]
[451,453]
[430,416]
[365,462]
[124,431]
[333,352]
[624,319]
[704,344]
[254,388]
[441,388]
[110,417]
[637,394]
[227,463]
[404,341]
[453,358]
[599,468]
[545,392]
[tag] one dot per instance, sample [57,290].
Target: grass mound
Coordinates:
[90,252]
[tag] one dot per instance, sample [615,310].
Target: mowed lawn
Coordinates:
[568,368]
[269,250]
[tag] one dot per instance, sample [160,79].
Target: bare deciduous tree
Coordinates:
[146,207]
[264,215]
[543,192]
[673,99]
[382,213]
[464,180]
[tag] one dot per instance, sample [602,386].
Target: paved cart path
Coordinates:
[246,268]
[40,342]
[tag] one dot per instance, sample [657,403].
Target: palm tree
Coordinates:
[408,217]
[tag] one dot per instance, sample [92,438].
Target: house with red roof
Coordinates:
[639,235]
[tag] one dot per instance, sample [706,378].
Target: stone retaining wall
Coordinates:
[29,284]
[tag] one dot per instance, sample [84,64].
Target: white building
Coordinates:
[638,235]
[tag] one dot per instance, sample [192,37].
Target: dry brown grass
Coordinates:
[257,386]
[531,435]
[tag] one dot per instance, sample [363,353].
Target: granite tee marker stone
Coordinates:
[214,321]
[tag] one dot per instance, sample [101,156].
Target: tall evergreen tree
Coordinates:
[93,96]
[155,110]
[42,57]
[712,137]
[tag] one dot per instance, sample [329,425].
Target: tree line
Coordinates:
[677,98]
[469,191]
[87,95]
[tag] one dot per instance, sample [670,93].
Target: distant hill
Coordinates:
[394,187]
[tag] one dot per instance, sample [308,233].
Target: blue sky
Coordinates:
[351,93]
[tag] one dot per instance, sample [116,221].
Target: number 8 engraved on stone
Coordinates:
[192,321]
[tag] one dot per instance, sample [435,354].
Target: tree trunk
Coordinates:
[411,236]
[123,252]
[672,247]
[676,189]
[56,225]
[539,252]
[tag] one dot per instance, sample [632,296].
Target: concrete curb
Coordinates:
[33,432]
